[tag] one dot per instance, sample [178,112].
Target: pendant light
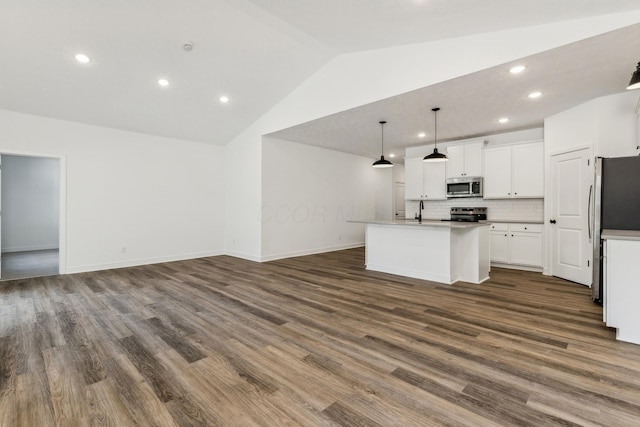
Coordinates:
[635,79]
[382,163]
[435,156]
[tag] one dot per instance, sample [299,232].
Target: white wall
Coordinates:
[384,190]
[161,199]
[308,194]
[30,193]
[243,196]
[607,124]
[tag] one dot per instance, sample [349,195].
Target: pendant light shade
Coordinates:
[435,156]
[382,163]
[635,79]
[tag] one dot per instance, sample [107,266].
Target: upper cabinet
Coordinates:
[413,178]
[424,181]
[515,171]
[464,160]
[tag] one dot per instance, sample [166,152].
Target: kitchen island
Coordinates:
[440,251]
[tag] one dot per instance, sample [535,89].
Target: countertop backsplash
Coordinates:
[520,210]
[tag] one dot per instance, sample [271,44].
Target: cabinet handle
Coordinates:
[525,227]
[508,194]
[506,235]
[515,194]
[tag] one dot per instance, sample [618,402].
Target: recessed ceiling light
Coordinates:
[82,58]
[392,155]
[517,69]
[503,120]
[535,94]
[224,99]
[163,82]
[422,135]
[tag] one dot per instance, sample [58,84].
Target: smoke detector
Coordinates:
[188,47]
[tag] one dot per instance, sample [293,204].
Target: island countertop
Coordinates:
[424,223]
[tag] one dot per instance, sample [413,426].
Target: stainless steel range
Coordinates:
[468,214]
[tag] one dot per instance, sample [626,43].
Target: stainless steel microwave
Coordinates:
[466,186]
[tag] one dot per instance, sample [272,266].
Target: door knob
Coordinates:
[552,221]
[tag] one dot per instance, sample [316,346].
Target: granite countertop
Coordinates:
[425,223]
[620,234]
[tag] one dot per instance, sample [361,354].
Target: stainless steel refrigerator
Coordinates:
[616,206]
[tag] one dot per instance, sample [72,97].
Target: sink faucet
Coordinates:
[420,214]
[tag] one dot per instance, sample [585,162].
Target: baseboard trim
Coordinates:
[146,261]
[310,252]
[517,267]
[29,248]
[138,262]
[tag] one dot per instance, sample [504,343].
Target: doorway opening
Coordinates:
[30,216]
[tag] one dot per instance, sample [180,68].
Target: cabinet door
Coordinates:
[499,246]
[455,165]
[413,178]
[473,159]
[434,184]
[528,170]
[497,173]
[525,248]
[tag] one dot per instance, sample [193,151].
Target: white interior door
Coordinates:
[571,190]
[399,201]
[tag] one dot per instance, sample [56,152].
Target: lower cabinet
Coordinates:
[621,290]
[516,245]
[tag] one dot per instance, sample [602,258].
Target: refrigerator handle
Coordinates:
[589,211]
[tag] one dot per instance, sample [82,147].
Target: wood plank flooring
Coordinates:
[309,341]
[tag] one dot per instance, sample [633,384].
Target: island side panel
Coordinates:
[473,253]
[421,252]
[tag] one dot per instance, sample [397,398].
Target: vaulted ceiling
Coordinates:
[257,51]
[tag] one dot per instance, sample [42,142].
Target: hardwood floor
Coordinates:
[308,341]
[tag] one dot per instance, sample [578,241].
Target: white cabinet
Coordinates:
[516,244]
[497,173]
[434,184]
[499,243]
[413,178]
[464,160]
[515,171]
[527,170]
[423,180]
[525,244]
[621,290]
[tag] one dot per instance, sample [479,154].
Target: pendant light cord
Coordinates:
[382,135]
[435,131]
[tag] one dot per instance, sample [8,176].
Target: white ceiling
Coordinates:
[258,51]
[471,105]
